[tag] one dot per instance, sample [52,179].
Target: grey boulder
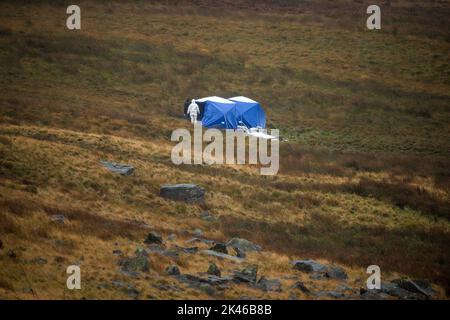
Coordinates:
[243,245]
[122,169]
[183,192]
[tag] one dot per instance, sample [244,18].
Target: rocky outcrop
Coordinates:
[190,193]
[213,270]
[269,284]
[153,237]
[122,169]
[222,255]
[243,245]
[309,266]
[248,274]
[173,270]
[219,247]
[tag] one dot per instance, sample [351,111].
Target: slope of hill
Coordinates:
[364,173]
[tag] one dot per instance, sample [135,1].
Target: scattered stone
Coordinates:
[336,272]
[248,274]
[300,286]
[219,247]
[373,295]
[333,294]
[222,255]
[27,290]
[293,297]
[117,252]
[172,237]
[212,280]
[12,254]
[213,270]
[240,253]
[243,245]
[411,286]
[173,270]
[394,290]
[59,218]
[39,260]
[205,215]
[165,287]
[138,263]
[141,252]
[197,232]
[160,249]
[217,280]
[131,291]
[189,250]
[269,284]
[183,192]
[203,240]
[318,276]
[122,169]
[207,288]
[153,237]
[309,266]
[1,244]
[59,259]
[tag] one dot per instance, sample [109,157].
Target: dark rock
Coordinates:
[141,252]
[219,247]
[318,276]
[59,218]
[207,288]
[172,237]
[333,294]
[189,250]
[269,284]
[243,245]
[173,270]
[27,290]
[135,264]
[1,244]
[39,260]
[12,254]
[203,240]
[160,249]
[336,273]
[165,287]
[205,215]
[117,252]
[195,281]
[300,286]
[248,274]
[309,266]
[197,232]
[131,291]
[153,237]
[373,295]
[411,286]
[222,255]
[122,169]
[240,253]
[394,290]
[183,192]
[213,270]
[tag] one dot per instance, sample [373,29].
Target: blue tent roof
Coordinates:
[218,113]
[249,112]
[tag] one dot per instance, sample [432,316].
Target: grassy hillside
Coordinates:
[364,175]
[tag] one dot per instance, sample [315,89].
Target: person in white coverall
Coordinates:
[192,111]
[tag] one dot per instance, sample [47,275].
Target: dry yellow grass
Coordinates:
[114,91]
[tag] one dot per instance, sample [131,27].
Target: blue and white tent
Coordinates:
[217,112]
[249,112]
